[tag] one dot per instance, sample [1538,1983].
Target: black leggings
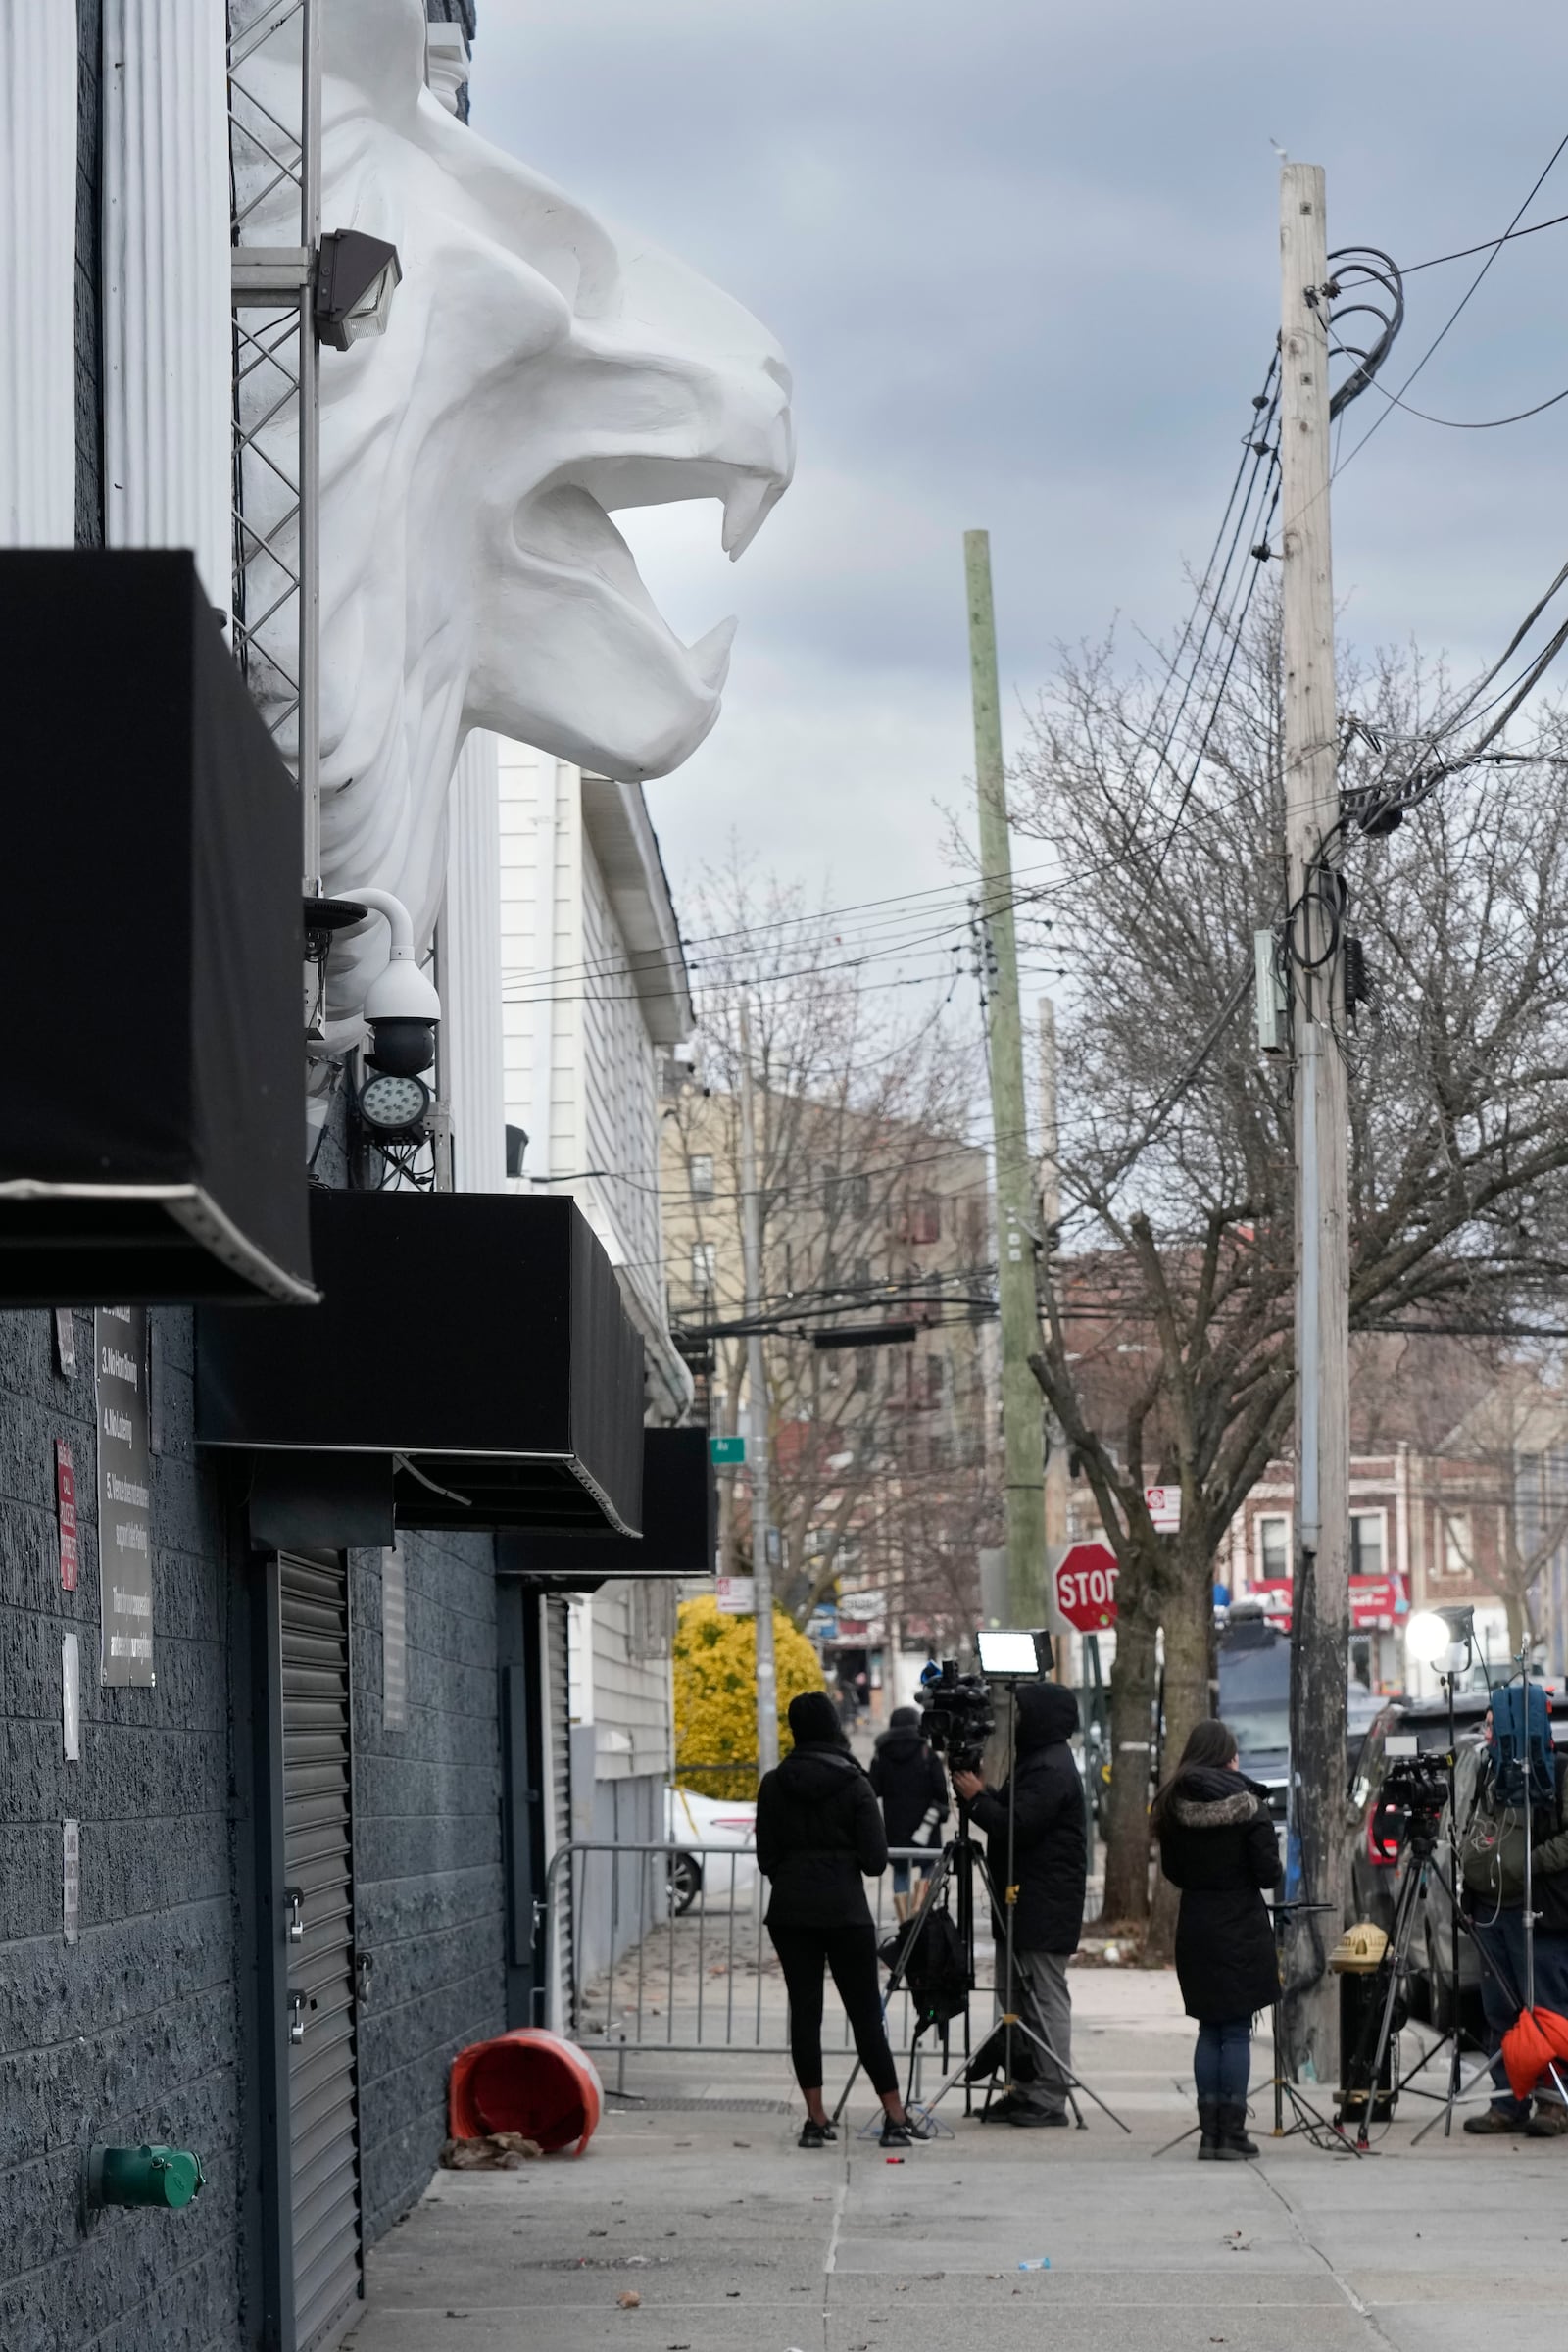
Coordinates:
[850,1953]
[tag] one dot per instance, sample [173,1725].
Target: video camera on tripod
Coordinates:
[1413,1796]
[960,1717]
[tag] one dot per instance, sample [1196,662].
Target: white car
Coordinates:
[693,1820]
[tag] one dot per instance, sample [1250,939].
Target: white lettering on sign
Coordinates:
[121,1366]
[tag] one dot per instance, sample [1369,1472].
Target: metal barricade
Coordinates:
[666,1952]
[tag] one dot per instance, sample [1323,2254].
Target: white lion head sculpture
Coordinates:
[537,373]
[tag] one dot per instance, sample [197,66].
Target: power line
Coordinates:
[1472,425]
[1509,237]
[1453,316]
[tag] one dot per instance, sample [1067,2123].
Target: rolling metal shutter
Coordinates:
[558,1669]
[317,1838]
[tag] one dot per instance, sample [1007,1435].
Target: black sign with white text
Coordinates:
[125,1497]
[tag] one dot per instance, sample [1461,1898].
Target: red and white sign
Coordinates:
[1377,1602]
[1164,1505]
[1085,1587]
[65,1500]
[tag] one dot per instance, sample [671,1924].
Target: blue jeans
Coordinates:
[1223,2060]
[1502,1941]
[901,1872]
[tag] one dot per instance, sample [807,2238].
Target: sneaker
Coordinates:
[999,2110]
[1037,2118]
[815,2136]
[919,2122]
[1497,2119]
[897,2136]
[1549,2121]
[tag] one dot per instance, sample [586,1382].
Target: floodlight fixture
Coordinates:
[355,278]
[394,1109]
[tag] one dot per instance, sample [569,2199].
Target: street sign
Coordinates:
[1164,1509]
[1085,1587]
[725,1452]
[737,1595]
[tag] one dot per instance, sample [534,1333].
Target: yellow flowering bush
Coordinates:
[716,1693]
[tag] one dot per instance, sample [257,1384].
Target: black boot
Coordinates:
[1233,2131]
[1209,2150]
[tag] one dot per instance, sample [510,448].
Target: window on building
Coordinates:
[705,1264]
[701,1166]
[1273,1550]
[1458,1544]
[934,1382]
[918,1218]
[1366,1543]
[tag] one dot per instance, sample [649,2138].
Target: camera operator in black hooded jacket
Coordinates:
[1042,1806]
[819,1835]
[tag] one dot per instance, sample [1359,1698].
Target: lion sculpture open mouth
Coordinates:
[537,375]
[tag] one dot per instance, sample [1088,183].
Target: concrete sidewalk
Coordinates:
[736,2241]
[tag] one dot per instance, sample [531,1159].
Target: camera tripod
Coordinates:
[961,1859]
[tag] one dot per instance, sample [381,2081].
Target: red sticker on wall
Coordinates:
[65,1499]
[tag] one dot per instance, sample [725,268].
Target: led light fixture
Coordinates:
[355,278]
[393,1107]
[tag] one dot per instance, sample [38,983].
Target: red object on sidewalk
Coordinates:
[530,2081]
[1536,2038]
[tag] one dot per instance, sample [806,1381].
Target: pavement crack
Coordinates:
[830,2259]
[1304,2238]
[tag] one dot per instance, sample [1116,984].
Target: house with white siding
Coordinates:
[595,1000]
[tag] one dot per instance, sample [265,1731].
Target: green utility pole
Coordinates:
[1022,1423]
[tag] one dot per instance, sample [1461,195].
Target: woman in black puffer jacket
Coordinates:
[819,1836]
[1217,1844]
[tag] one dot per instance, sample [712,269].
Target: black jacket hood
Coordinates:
[1048,1715]
[814,1769]
[902,1740]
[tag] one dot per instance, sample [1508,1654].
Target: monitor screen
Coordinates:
[1006,1652]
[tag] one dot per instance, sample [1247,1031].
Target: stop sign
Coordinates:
[1085,1587]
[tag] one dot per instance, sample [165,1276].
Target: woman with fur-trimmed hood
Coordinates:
[1217,1844]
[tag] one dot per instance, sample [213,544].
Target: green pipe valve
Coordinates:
[166,2176]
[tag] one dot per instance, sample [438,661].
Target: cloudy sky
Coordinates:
[1023,261]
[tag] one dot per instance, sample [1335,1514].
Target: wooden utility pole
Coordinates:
[1022,1422]
[1321,1600]
[756,1430]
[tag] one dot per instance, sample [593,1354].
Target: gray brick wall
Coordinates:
[427,1843]
[131,2034]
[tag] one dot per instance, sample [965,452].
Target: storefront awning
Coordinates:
[680,1523]
[475,1343]
[154,1136]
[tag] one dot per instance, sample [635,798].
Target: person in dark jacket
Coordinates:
[818,1836]
[913,1790]
[1041,1809]
[1217,1844]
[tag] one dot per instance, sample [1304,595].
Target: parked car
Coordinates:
[1380,1856]
[694,1820]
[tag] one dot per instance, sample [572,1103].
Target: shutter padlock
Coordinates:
[294,1896]
[296,2017]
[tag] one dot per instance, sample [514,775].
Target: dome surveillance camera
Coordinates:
[400,1007]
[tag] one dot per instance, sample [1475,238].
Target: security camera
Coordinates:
[400,1007]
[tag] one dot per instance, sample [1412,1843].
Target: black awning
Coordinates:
[475,1342]
[154,1134]
[680,1523]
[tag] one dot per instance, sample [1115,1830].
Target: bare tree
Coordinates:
[875,1213]
[1498,1485]
[1175,1133]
